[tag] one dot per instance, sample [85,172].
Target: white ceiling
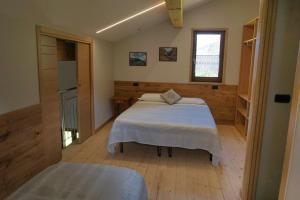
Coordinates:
[87,16]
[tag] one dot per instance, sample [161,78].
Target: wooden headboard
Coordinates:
[21,148]
[220,98]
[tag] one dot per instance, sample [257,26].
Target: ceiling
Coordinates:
[90,15]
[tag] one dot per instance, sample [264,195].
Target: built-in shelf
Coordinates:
[246,75]
[241,128]
[245,97]
[249,42]
[243,112]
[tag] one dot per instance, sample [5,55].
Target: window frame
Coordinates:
[220,78]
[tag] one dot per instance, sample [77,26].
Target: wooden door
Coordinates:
[49,97]
[84,91]
[290,175]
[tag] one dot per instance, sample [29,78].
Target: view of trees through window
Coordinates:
[208,55]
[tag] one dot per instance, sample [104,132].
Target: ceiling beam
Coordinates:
[175,11]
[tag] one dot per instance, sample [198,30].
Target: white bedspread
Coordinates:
[188,126]
[66,181]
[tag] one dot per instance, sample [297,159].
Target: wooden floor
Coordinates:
[187,175]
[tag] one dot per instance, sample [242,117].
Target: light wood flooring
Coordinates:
[188,175]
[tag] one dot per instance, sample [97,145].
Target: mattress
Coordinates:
[190,126]
[85,182]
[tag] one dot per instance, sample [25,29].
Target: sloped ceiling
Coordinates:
[87,16]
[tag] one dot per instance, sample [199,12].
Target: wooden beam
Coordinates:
[175,11]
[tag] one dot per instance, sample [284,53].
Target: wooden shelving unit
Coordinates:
[246,70]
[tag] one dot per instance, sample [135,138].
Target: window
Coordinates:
[208,56]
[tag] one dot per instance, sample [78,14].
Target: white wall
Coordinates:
[103,81]
[285,50]
[18,64]
[231,14]
[18,67]
[294,175]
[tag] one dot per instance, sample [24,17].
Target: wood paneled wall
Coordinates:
[21,148]
[220,98]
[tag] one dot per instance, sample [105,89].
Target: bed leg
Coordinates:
[170,151]
[121,147]
[210,157]
[158,151]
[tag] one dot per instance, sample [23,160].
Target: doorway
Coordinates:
[67,83]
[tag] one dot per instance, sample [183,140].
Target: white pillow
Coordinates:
[171,97]
[155,97]
[186,100]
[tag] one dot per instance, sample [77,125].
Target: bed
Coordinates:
[83,181]
[187,124]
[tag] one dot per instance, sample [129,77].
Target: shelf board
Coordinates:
[245,97]
[241,129]
[249,42]
[243,112]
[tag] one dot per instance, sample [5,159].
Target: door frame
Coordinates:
[260,86]
[42,30]
[291,132]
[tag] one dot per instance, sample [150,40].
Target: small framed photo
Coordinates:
[168,54]
[137,59]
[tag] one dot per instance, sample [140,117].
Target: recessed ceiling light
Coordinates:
[131,17]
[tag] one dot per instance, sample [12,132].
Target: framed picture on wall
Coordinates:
[168,54]
[137,59]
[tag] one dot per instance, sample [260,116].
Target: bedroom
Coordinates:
[217,141]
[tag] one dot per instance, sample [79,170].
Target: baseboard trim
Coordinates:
[101,126]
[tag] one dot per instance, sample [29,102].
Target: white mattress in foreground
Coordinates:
[190,126]
[83,182]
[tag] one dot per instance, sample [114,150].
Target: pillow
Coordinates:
[154,97]
[171,97]
[197,101]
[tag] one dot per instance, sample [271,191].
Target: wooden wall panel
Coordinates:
[21,148]
[84,91]
[48,60]
[48,50]
[222,101]
[48,81]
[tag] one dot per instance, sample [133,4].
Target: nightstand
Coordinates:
[120,104]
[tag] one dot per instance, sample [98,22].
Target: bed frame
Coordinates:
[121,146]
[170,151]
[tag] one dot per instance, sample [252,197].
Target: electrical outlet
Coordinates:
[215,87]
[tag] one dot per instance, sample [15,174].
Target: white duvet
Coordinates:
[71,181]
[190,126]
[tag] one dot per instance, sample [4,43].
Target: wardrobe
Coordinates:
[52,47]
